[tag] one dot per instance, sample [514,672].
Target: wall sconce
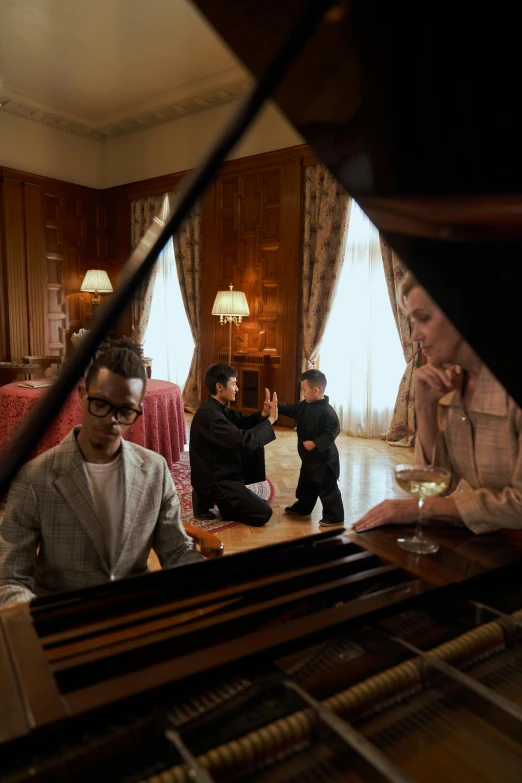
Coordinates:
[231,306]
[96,282]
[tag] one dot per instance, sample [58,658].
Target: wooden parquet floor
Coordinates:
[366,479]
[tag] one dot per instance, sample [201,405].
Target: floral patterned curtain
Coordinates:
[325,229]
[403,425]
[187,251]
[143,212]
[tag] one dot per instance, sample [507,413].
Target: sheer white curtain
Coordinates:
[168,340]
[361,354]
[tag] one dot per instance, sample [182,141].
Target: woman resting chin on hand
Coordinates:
[466,423]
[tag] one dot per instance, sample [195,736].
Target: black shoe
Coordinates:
[205,516]
[330,523]
[296,510]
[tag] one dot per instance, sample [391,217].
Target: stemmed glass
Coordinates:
[421,482]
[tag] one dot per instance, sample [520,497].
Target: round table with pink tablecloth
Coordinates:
[161,428]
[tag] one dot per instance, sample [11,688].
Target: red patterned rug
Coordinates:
[181,476]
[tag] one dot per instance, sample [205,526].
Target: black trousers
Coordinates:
[236,503]
[201,504]
[327,490]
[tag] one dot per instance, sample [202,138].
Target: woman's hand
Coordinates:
[309,445]
[389,512]
[433,382]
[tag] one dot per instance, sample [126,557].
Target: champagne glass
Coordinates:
[421,482]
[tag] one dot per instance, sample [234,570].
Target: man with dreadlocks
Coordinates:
[90,509]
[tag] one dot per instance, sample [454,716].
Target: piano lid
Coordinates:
[413,107]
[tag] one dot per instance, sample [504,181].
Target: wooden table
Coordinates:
[161,428]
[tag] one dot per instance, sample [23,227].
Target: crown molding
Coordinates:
[201,101]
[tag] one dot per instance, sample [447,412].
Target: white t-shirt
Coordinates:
[107,487]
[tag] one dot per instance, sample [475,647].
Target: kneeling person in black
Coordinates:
[226,452]
[317,429]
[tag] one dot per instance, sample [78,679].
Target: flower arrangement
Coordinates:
[77,337]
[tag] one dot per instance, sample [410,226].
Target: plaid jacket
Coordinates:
[50,506]
[483,446]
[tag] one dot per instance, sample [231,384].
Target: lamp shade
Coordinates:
[230,303]
[96,281]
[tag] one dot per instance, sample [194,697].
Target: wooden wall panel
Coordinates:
[210,229]
[51,232]
[36,271]
[115,214]
[54,262]
[252,237]
[16,270]
[4,322]
[291,270]
[84,245]
[234,206]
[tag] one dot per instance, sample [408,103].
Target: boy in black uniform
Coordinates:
[317,429]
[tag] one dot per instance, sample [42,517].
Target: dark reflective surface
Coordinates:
[415,105]
[462,554]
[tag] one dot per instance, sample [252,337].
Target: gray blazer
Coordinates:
[50,506]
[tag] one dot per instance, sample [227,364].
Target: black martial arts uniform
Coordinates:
[317,421]
[226,452]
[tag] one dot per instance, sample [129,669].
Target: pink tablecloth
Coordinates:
[161,428]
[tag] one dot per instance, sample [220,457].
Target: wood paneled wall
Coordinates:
[16,267]
[4,324]
[252,233]
[51,232]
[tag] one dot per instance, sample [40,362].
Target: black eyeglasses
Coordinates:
[102,408]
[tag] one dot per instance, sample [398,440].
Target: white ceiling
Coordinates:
[111,65]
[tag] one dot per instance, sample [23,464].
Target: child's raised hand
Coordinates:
[309,445]
[266,403]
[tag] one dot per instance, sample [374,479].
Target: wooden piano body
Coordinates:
[334,657]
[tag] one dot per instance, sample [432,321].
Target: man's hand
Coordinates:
[309,445]
[272,418]
[389,512]
[266,404]
[432,382]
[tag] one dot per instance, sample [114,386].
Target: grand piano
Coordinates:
[336,657]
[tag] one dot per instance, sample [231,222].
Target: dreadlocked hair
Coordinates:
[124,358]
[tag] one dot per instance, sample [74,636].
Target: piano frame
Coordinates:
[74,654]
[75,665]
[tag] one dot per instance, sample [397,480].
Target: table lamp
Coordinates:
[96,282]
[231,306]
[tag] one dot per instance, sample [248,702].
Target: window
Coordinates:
[168,339]
[361,354]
